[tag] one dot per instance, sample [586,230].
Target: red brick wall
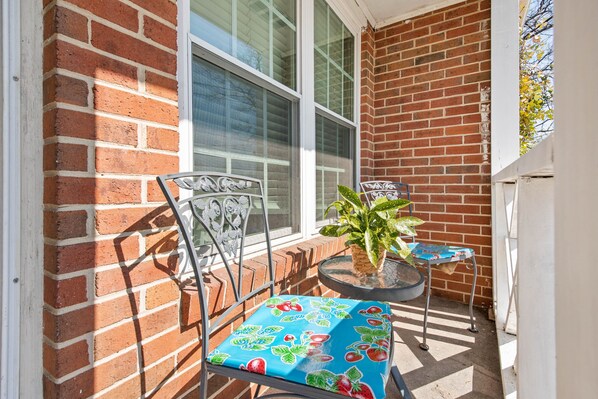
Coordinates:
[431,129]
[110,125]
[367,104]
[117,321]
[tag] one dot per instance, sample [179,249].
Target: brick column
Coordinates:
[110,125]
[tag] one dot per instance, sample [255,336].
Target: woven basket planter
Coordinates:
[361,262]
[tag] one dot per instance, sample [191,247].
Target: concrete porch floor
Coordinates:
[459,364]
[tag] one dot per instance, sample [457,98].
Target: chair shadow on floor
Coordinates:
[459,364]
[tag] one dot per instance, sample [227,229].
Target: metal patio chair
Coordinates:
[424,253]
[311,347]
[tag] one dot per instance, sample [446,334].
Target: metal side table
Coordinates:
[394,282]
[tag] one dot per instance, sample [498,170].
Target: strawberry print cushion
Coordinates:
[339,345]
[451,253]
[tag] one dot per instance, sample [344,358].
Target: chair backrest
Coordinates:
[375,189]
[218,207]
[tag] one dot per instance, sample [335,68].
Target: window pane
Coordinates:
[320,79]
[260,33]
[334,162]
[283,53]
[241,128]
[286,8]
[212,21]
[334,51]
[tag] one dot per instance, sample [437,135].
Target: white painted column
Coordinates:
[22,206]
[576,171]
[535,321]
[504,30]
[504,138]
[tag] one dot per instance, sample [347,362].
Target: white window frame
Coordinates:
[190,44]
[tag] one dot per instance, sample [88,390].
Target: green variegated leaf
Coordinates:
[350,196]
[331,230]
[410,221]
[354,374]
[371,246]
[338,205]
[404,251]
[342,306]
[315,304]
[405,230]
[325,308]
[280,350]
[343,230]
[391,205]
[219,358]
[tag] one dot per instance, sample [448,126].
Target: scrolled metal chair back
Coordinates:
[375,189]
[381,188]
[219,205]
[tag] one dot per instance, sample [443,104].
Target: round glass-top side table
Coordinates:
[394,282]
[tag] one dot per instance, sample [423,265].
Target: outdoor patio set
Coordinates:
[308,346]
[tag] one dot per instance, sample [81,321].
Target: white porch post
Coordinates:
[504,147]
[535,288]
[576,169]
[22,189]
[505,129]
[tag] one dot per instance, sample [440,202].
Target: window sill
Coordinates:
[295,273]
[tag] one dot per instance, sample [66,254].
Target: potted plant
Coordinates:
[371,230]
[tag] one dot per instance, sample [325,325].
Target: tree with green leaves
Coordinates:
[536,86]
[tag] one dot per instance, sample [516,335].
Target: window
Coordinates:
[259,33]
[334,87]
[333,61]
[334,162]
[242,128]
[248,107]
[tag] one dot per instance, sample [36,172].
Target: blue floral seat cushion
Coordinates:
[339,345]
[451,253]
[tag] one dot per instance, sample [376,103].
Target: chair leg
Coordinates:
[400,383]
[423,345]
[473,328]
[203,381]
[257,392]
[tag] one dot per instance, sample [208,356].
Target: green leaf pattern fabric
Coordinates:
[339,345]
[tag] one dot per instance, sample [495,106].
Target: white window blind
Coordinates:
[260,33]
[242,128]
